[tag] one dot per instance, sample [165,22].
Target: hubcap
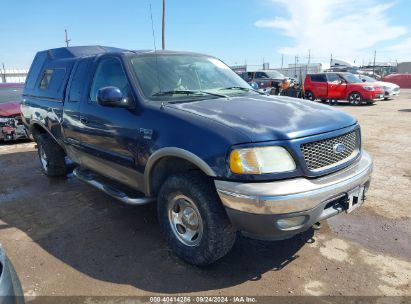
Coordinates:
[43,158]
[185,220]
[355,98]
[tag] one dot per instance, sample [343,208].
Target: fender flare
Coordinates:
[33,123]
[173,152]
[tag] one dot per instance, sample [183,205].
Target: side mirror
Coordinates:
[112,97]
[363,80]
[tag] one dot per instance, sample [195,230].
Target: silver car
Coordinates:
[10,287]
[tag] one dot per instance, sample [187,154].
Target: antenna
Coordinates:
[155,50]
[67,40]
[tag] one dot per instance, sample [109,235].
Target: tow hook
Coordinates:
[317,226]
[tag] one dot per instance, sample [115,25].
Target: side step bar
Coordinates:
[91,178]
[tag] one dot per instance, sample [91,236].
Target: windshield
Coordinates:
[10,93]
[275,75]
[182,76]
[351,78]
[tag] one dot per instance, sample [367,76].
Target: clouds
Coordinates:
[346,28]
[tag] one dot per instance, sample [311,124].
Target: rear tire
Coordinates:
[355,99]
[51,155]
[309,95]
[193,220]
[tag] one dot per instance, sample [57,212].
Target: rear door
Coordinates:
[262,79]
[319,85]
[77,92]
[337,88]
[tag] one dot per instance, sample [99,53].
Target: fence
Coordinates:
[299,71]
[13,75]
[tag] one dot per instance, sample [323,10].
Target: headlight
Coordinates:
[368,88]
[261,160]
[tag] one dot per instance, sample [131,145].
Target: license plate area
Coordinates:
[355,198]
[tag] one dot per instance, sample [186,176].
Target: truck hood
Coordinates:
[10,108]
[266,118]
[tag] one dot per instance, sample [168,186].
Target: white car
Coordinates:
[391,89]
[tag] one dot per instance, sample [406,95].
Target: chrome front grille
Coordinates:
[323,154]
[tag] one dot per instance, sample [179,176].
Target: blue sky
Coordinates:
[233,30]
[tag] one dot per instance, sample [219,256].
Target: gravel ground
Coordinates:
[65,238]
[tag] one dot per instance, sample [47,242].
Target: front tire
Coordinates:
[193,220]
[355,99]
[51,155]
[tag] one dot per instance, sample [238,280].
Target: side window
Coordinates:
[332,77]
[46,79]
[318,78]
[79,79]
[109,72]
[260,75]
[35,70]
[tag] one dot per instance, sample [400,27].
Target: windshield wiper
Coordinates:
[242,89]
[188,92]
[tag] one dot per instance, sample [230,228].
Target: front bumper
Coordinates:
[255,208]
[373,95]
[390,93]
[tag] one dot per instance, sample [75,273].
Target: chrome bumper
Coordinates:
[294,195]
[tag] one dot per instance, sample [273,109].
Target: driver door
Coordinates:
[337,87]
[110,136]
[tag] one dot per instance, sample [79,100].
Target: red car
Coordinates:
[403,80]
[341,86]
[11,126]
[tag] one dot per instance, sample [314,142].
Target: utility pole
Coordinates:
[282,61]
[67,40]
[308,61]
[164,26]
[331,60]
[373,65]
[295,66]
[4,73]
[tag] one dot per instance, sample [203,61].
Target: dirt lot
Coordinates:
[65,238]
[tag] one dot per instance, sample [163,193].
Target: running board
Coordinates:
[92,179]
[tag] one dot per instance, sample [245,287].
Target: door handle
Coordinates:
[83,120]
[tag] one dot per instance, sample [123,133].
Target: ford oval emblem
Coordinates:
[339,148]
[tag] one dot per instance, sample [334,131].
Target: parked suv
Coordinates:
[184,131]
[267,80]
[341,86]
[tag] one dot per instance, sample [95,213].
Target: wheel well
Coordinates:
[36,130]
[166,167]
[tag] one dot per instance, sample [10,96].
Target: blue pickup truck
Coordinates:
[184,131]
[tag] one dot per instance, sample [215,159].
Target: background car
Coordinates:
[403,80]
[10,287]
[391,89]
[268,80]
[11,125]
[341,86]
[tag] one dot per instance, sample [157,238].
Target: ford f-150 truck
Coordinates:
[183,130]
